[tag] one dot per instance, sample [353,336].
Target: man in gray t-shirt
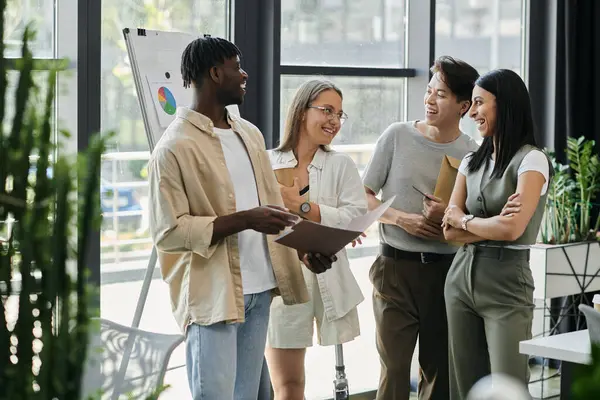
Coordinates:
[408,276]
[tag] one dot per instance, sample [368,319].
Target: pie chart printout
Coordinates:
[167,100]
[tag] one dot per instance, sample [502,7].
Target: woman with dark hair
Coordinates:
[489,288]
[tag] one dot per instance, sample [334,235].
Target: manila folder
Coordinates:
[446,178]
[311,237]
[285,176]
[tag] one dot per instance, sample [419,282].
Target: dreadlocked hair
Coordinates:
[202,54]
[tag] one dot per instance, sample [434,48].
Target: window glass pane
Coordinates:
[21,12]
[358,33]
[487,34]
[124,186]
[372,104]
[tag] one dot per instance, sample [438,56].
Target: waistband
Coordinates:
[499,253]
[424,258]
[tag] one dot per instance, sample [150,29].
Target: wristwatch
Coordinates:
[305,207]
[464,220]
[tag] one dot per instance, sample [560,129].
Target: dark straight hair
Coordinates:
[459,76]
[514,121]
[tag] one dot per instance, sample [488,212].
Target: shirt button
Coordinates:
[481,212]
[479,198]
[230,196]
[222,164]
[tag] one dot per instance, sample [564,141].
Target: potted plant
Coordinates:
[564,262]
[43,291]
[568,208]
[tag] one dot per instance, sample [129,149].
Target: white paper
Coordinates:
[363,222]
[177,95]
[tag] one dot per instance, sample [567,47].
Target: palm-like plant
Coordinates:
[586,168]
[43,291]
[558,220]
[572,194]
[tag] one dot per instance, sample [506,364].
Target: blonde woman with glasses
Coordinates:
[323,186]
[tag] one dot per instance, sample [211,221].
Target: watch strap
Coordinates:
[465,220]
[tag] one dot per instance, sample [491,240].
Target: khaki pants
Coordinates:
[489,302]
[408,301]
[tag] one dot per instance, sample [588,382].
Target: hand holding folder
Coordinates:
[285,176]
[445,182]
[446,178]
[311,237]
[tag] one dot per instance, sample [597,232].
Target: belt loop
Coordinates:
[501,255]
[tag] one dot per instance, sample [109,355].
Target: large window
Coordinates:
[371,104]
[20,13]
[488,34]
[125,241]
[52,40]
[124,185]
[40,16]
[344,33]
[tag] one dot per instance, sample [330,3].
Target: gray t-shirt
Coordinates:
[403,157]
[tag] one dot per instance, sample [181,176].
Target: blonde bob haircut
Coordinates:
[303,98]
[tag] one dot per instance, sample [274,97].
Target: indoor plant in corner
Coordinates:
[568,257]
[43,196]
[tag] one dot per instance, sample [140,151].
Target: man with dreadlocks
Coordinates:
[213,199]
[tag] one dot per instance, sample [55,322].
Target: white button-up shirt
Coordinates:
[336,186]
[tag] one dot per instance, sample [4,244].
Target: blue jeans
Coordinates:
[224,361]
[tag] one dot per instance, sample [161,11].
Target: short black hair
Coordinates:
[202,54]
[514,120]
[458,75]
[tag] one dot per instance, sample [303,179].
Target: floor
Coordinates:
[549,388]
[362,363]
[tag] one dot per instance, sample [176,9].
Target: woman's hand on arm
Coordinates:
[512,207]
[453,234]
[451,222]
[509,226]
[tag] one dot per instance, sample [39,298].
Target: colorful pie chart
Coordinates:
[167,100]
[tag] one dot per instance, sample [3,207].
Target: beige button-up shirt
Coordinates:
[190,187]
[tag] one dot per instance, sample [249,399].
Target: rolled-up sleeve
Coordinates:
[352,201]
[173,228]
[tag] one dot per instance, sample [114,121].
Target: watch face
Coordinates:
[305,207]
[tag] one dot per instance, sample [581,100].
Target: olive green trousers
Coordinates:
[489,304]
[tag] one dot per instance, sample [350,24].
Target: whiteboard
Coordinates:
[155,59]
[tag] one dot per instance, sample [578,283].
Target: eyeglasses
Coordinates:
[330,114]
